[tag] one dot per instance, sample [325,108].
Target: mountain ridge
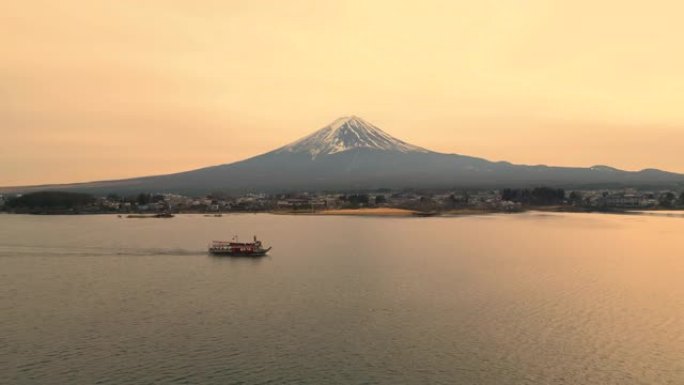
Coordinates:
[352,154]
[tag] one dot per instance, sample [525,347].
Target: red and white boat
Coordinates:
[238,249]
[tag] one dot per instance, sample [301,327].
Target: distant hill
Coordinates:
[352,154]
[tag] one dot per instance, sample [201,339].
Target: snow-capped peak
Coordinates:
[347,133]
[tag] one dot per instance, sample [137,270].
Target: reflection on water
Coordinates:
[661,213]
[238,259]
[501,299]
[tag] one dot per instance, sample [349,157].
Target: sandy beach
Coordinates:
[380,211]
[385,212]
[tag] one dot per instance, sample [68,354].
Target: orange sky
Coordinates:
[94,90]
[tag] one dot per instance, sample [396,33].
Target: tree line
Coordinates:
[50,200]
[535,196]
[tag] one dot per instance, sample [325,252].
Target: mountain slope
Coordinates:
[351,154]
[347,133]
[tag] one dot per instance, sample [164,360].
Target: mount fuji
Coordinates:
[348,133]
[352,154]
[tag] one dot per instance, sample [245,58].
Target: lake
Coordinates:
[533,298]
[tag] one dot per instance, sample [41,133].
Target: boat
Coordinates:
[238,249]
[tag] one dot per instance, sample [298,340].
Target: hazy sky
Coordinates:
[95,90]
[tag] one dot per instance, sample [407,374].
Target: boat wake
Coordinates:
[38,251]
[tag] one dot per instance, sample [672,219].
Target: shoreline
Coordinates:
[380,212]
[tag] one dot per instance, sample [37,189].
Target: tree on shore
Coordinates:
[667,199]
[143,199]
[537,196]
[576,198]
[50,200]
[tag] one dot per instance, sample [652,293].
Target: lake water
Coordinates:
[501,299]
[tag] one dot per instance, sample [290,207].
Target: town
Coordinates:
[419,201]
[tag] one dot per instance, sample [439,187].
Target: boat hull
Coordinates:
[228,253]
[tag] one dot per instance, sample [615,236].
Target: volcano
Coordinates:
[352,154]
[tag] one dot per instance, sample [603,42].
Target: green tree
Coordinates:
[576,197]
[667,199]
[143,199]
[538,195]
[51,200]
